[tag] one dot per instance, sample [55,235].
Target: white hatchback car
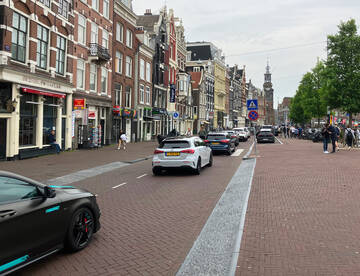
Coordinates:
[178,152]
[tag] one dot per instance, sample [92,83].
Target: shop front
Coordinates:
[30,108]
[92,119]
[145,123]
[124,120]
[161,120]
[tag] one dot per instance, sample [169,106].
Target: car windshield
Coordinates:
[267,127]
[216,137]
[265,133]
[175,145]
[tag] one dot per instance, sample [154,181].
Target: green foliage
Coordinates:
[343,69]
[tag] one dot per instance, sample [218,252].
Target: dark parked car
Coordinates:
[265,136]
[233,135]
[37,220]
[221,142]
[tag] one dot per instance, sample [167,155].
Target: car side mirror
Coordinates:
[49,193]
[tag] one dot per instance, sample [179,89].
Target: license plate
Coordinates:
[172,153]
[216,143]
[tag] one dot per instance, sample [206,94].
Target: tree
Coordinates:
[343,69]
[312,86]
[297,113]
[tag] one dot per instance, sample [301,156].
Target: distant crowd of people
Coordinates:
[347,136]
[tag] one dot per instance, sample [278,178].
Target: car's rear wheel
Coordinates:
[211,160]
[156,171]
[198,167]
[81,229]
[228,152]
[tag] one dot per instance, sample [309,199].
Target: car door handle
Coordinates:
[7,213]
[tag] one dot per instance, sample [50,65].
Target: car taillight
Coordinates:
[225,141]
[234,136]
[190,151]
[158,152]
[206,141]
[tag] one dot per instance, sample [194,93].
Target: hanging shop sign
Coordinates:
[117,110]
[172,93]
[126,112]
[79,104]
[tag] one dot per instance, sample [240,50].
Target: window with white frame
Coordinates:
[147,95]
[128,66]
[119,32]
[118,62]
[95,5]
[129,38]
[142,93]
[106,8]
[104,78]
[81,29]
[142,69]
[42,46]
[18,40]
[63,8]
[60,54]
[128,97]
[148,72]
[118,91]
[80,74]
[105,39]
[94,33]
[93,77]
[45,2]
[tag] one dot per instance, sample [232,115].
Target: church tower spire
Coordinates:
[267,74]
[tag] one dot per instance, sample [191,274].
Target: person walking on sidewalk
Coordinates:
[333,136]
[52,141]
[325,134]
[122,140]
[349,137]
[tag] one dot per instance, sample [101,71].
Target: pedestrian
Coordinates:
[202,133]
[349,137]
[337,131]
[188,132]
[52,141]
[325,134]
[122,140]
[333,136]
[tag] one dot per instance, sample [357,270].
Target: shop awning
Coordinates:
[42,92]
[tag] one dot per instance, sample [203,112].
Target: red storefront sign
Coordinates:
[79,103]
[92,115]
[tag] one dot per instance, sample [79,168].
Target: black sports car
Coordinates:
[37,220]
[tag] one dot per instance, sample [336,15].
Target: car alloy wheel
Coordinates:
[156,171]
[81,229]
[198,167]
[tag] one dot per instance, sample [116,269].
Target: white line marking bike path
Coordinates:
[237,152]
[141,176]
[117,186]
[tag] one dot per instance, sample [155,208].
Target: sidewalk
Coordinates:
[51,166]
[303,212]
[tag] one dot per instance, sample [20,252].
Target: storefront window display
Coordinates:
[50,114]
[28,115]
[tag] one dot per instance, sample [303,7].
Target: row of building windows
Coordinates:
[80,77]
[145,70]
[120,35]
[19,44]
[94,33]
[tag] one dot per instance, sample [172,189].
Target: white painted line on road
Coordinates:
[279,140]
[117,186]
[141,176]
[237,152]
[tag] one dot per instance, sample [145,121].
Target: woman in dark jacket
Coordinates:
[326,135]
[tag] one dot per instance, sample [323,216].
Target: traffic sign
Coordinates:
[175,115]
[252,104]
[253,115]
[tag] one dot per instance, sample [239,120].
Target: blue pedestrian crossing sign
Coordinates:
[252,104]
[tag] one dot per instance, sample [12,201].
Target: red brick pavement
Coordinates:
[303,213]
[51,166]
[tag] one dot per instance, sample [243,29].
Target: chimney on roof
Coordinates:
[148,12]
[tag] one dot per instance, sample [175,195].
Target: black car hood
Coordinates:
[70,190]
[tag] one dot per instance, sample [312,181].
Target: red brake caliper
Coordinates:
[86,225]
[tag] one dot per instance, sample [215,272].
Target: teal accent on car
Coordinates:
[61,187]
[14,263]
[55,208]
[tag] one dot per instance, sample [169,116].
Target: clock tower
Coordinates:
[269,97]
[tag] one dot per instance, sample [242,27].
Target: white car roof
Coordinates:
[265,129]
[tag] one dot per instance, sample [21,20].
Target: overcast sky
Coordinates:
[291,33]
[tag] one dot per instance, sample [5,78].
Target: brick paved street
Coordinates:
[148,225]
[303,212]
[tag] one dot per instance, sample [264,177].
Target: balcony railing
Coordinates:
[95,50]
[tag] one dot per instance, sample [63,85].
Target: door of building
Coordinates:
[102,123]
[128,130]
[2,138]
[63,126]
